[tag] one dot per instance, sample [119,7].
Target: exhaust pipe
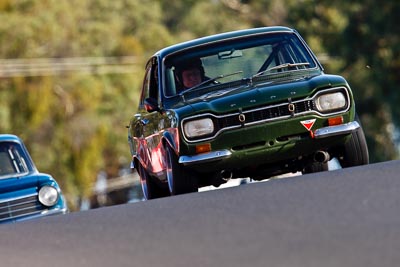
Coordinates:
[322,156]
[226,175]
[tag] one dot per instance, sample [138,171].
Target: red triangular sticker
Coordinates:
[308,124]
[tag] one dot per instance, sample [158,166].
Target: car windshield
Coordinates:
[12,159]
[236,59]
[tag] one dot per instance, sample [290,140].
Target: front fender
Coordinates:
[171,138]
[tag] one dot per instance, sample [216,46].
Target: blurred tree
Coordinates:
[372,48]
[83,116]
[218,18]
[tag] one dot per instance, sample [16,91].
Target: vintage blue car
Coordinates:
[25,193]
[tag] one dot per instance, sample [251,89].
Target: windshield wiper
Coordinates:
[282,66]
[210,81]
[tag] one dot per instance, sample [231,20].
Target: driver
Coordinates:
[189,74]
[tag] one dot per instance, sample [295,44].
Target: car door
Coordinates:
[145,125]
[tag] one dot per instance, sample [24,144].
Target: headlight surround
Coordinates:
[331,101]
[48,195]
[198,128]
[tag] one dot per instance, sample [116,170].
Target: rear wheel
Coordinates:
[179,182]
[150,188]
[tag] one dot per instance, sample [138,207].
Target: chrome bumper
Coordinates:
[336,130]
[205,157]
[222,154]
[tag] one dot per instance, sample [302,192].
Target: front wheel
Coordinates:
[179,182]
[355,150]
[150,188]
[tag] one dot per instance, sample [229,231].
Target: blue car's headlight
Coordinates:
[48,195]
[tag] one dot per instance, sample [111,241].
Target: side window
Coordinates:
[145,87]
[150,83]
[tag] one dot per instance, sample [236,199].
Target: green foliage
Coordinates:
[74,122]
[218,20]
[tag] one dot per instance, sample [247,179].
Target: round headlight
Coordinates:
[198,128]
[329,102]
[48,195]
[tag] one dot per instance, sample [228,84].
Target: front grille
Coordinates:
[263,114]
[12,209]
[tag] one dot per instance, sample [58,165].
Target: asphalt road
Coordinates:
[348,217]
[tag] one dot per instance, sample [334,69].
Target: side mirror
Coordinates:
[151,105]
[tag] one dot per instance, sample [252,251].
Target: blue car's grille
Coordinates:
[12,209]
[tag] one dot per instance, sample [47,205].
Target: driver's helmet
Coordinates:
[187,65]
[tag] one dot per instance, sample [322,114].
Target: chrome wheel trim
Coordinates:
[170,177]
[143,182]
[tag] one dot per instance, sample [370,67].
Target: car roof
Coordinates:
[221,36]
[9,137]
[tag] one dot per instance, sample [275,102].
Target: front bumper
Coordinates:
[336,130]
[205,157]
[320,133]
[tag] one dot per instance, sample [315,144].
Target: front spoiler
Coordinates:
[324,132]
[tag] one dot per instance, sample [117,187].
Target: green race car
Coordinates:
[251,103]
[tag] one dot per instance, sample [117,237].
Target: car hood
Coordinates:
[31,180]
[261,94]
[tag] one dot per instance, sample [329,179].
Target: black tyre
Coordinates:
[315,167]
[355,151]
[179,182]
[150,188]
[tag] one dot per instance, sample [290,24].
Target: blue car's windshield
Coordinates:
[12,159]
[247,58]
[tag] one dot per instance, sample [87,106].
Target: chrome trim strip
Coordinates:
[35,215]
[18,197]
[205,157]
[8,212]
[21,217]
[336,130]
